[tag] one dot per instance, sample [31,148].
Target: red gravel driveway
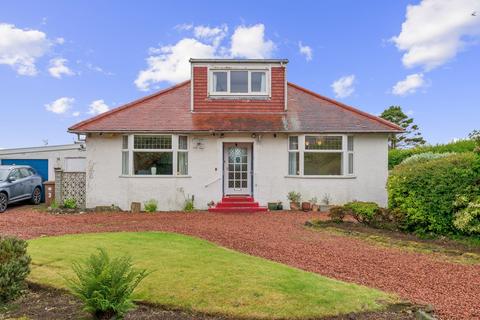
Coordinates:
[453,289]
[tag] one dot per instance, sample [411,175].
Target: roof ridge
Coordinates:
[128,105]
[347,107]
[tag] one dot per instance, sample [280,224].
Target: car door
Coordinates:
[27,182]
[15,185]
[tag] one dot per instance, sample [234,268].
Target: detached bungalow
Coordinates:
[236,128]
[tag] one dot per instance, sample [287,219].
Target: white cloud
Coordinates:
[97,107]
[20,48]
[184,27]
[305,50]
[250,42]
[411,83]
[436,30]
[344,86]
[170,63]
[61,105]
[76,113]
[214,35]
[58,68]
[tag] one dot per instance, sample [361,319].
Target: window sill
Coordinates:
[321,177]
[153,177]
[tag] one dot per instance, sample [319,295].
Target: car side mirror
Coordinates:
[11,179]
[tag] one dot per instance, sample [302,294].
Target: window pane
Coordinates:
[182,163]
[293,163]
[182,142]
[323,143]
[24,172]
[350,163]
[125,142]
[125,163]
[293,143]
[239,81]
[322,163]
[220,81]
[258,82]
[350,143]
[153,163]
[153,142]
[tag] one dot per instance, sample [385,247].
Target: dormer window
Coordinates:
[242,82]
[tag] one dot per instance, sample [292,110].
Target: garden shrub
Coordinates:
[106,285]
[337,213]
[189,204]
[467,220]
[14,268]
[151,205]
[396,156]
[426,191]
[364,212]
[70,203]
[426,156]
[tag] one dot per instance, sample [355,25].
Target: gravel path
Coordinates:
[453,289]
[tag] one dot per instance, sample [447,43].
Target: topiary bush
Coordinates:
[363,212]
[426,191]
[106,285]
[14,268]
[467,220]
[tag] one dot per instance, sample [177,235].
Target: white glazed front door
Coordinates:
[237,168]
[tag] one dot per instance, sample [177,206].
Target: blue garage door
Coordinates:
[40,165]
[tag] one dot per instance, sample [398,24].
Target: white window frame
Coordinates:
[175,149]
[344,151]
[267,93]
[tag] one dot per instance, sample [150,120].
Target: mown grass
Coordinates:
[193,274]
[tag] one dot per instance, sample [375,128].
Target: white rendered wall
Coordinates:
[106,185]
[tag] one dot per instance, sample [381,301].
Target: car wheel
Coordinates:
[3,202]
[37,196]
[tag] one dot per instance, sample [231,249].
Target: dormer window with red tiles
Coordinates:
[239,85]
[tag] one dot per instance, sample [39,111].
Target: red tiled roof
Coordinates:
[169,111]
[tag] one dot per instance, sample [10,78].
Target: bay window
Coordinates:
[154,155]
[239,82]
[320,155]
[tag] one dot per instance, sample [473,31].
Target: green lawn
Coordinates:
[194,274]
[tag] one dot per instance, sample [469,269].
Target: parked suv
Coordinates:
[19,183]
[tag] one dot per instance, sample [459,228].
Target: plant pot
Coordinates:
[272,206]
[315,207]
[295,206]
[306,206]
[325,208]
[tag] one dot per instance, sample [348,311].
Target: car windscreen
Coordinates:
[4,174]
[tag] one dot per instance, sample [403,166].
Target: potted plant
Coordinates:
[314,203]
[294,198]
[325,207]
[306,206]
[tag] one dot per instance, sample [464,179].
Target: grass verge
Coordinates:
[193,274]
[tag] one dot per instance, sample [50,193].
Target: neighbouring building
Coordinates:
[237,128]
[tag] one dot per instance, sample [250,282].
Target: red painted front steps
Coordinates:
[237,204]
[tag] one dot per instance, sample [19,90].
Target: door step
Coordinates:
[237,204]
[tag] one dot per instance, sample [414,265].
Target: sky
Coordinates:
[64,61]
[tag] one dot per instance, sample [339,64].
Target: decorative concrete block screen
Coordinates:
[70,185]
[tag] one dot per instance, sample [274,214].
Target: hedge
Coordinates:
[426,191]
[396,156]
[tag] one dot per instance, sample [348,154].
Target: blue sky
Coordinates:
[64,61]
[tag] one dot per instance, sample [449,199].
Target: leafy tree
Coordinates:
[412,136]
[475,136]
